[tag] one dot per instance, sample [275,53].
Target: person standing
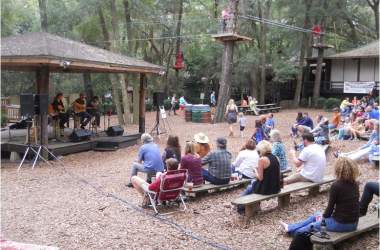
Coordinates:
[213,99]
[231,114]
[173,103]
[242,123]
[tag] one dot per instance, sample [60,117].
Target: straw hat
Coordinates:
[201,138]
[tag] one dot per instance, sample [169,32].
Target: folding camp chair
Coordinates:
[171,185]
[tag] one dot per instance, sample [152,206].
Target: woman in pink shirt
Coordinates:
[193,164]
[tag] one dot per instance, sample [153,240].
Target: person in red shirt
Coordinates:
[142,186]
[193,164]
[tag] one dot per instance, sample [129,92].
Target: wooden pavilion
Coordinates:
[44,53]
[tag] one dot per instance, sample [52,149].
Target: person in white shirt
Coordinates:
[310,164]
[247,160]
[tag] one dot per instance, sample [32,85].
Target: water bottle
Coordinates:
[323,228]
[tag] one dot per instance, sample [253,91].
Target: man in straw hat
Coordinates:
[202,146]
[219,164]
[149,159]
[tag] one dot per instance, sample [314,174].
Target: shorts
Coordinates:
[181,107]
[242,128]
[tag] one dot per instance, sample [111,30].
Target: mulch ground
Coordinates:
[65,207]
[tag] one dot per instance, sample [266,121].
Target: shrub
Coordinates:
[149,106]
[304,103]
[3,119]
[331,103]
[320,102]
[167,104]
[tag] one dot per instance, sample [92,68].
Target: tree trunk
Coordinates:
[304,44]
[263,13]
[318,76]
[227,66]
[43,15]
[374,4]
[128,26]
[225,81]
[88,86]
[178,32]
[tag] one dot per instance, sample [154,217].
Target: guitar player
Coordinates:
[80,110]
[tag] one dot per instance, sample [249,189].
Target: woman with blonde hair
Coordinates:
[342,211]
[231,114]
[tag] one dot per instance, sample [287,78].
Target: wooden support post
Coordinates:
[251,210]
[142,104]
[42,80]
[314,191]
[284,200]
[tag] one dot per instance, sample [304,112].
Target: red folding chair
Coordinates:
[171,185]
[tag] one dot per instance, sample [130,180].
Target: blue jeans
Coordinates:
[212,179]
[311,223]
[320,140]
[332,126]
[247,191]
[342,135]
[370,189]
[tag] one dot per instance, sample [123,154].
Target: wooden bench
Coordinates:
[211,188]
[252,201]
[366,223]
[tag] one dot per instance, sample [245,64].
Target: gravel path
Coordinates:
[59,207]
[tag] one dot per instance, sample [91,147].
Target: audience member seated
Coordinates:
[269,124]
[193,164]
[278,149]
[202,146]
[321,132]
[335,121]
[172,150]
[59,111]
[219,164]
[342,211]
[364,150]
[310,164]
[267,175]
[370,189]
[142,186]
[247,160]
[149,158]
[80,110]
[345,107]
[93,110]
[258,132]
[345,130]
[357,129]
[303,124]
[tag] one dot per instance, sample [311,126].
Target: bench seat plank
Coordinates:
[366,223]
[212,187]
[288,189]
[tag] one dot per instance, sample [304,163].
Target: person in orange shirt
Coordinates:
[335,120]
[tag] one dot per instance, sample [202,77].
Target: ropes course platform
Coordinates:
[223,37]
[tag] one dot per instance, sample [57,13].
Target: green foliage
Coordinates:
[149,106]
[331,103]
[320,103]
[4,119]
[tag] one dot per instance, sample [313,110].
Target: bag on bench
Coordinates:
[301,242]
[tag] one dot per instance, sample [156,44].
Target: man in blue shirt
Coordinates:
[373,114]
[149,158]
[269,124]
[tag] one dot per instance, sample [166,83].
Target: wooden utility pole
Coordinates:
[228,39]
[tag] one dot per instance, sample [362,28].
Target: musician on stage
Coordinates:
[80,110]
[59,110]
[93,109]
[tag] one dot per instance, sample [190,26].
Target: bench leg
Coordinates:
[323,247]
[284,201]
[251,210]
[314,191]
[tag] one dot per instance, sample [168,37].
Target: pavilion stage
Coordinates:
[101,142]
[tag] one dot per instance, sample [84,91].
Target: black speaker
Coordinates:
[158,99]
[80,135]
[41,103]
[115,131]
[27,105]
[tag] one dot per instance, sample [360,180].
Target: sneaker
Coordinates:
[130,185]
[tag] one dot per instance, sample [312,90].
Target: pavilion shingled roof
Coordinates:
[367,51]
[31,49]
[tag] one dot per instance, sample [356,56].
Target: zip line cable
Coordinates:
[136,208]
